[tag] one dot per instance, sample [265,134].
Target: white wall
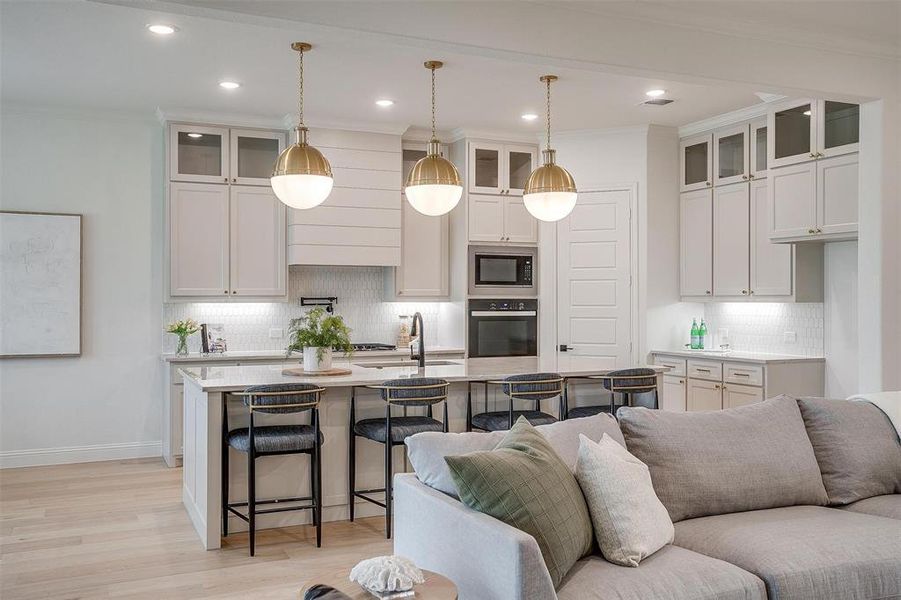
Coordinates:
[105,403]
[840,341]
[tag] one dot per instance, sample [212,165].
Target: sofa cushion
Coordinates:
[881,506]
[856,447]
[805,551]
[427,450]
[715,462]
[672,573]
[524,483]
[629,521]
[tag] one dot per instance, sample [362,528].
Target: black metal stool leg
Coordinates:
[224,465]
[316,477]
[352,457]
[388,472]
[251,490]
[468,406]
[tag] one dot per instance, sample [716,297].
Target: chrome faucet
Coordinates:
[417,332]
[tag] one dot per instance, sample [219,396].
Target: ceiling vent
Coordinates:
[658,102]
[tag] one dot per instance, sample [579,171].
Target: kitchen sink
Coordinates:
[405,363]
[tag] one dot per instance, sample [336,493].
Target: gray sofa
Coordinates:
[782,500]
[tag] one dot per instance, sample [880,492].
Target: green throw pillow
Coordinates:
[525,484]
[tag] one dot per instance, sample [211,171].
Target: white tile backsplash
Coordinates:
[360,292]
[762,326]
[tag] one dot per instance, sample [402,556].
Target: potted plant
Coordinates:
[183,329]
[316,334]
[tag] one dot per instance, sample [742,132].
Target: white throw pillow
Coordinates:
[630,522]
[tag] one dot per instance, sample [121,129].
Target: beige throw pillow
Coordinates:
[630,522]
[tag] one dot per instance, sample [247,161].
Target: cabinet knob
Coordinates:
[234,179]
[820,155]
[744,291]
[811,231]
[226,180]
[708,292]
[225,292]
[234,292]
[744,177]
[819,230]
[751,176]
[708,184]
[812,155]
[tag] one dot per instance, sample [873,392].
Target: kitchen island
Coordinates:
[206,388]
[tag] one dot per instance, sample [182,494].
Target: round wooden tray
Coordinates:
[299,372]
[436,587]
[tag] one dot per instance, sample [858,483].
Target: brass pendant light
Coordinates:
[433,186]
[550,192]
[302,177]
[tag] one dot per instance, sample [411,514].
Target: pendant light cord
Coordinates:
[433,102]
[300,101]
[548,114]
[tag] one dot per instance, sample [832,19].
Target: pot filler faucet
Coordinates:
[417,331]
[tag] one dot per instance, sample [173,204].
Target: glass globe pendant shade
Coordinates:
[550,192]
[433,186]
[302,176]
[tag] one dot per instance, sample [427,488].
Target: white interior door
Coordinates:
[594,300]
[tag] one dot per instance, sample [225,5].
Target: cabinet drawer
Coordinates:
[676,365]
[705,369]
[743,373]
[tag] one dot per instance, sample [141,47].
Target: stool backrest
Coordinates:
[533,386]
[282,397]
[635,381]
[415,391]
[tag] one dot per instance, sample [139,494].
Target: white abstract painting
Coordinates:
[40,284]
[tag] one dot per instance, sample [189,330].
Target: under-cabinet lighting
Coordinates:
[160,29]
[385,103]
[229,85]
[529,117]
[655,93]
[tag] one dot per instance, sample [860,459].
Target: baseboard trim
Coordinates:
[36,457]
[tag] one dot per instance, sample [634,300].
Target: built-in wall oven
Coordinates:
[503,271]
[503,327]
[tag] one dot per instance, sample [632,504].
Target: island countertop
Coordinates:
[233,378]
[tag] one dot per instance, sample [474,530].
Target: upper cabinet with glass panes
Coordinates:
[205,154]
[500,169]
[811,129]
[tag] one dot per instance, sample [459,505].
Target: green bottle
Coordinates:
[702,333]
[695,334]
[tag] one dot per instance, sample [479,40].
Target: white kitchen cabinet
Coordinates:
[500,169]
[704,395]
[731,163]
[198,219]
[257,243]
[735,395]
[672,393]
[520,226]
[758,149]
[731,240]
[770,264]
[696,163]
[838,128]
[500,219]
[423,270]
[814,201]
[792,133]
[198,153]
[696,242]
[252,154]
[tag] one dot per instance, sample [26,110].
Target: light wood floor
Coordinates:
[118,530]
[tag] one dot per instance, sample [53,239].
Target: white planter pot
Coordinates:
[312,363]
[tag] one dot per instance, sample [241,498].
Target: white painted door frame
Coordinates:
[547,259]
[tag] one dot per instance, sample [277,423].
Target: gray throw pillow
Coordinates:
[856,447]
[715,462]
[525,484]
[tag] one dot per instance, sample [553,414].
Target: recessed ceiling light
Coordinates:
[529,117]
[229,85]
[160,29]
[655,93]
[195,135]
[385,102]
[806,113]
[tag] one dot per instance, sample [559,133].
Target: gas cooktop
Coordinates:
[366,347]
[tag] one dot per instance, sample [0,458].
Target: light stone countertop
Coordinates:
[733,355]
[234,378]
[280,355]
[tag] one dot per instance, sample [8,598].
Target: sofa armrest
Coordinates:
[486,558]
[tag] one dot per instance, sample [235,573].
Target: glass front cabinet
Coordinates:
[696,163]
[500,169]
[204,154]
[757,149]
[811,129]
[730,158]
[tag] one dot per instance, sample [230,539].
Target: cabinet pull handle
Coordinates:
[702,370]
[741,374]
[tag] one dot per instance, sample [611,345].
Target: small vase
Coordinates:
[312,363]
[182,349]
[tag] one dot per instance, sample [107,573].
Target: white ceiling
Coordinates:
[101,57]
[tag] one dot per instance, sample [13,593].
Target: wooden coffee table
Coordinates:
[436,587]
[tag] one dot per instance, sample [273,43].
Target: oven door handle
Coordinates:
[503,313]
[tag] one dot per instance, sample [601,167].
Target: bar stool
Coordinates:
[258,441]
[412,392]
[638,387]
[532,387]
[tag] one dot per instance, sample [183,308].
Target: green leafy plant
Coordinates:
[317,329]
[183,328]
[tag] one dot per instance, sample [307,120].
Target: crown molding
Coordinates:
[460,133]
[730,118]
[576,134]
[290,122]
[166,115]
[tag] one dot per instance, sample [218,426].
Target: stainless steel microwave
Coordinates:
[503,271]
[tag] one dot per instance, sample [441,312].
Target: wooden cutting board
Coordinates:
[299,372]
